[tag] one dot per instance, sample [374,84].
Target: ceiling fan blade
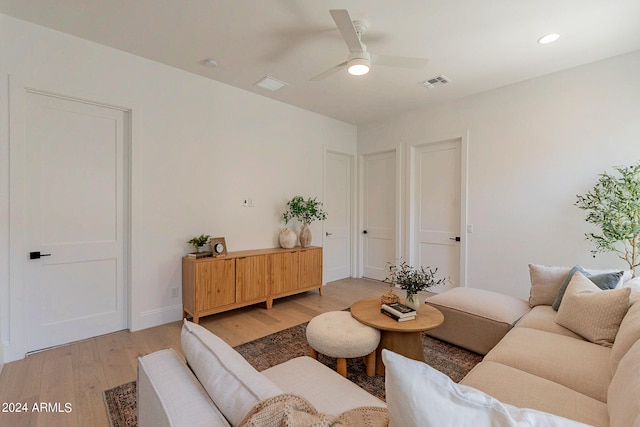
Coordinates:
[345,25]
[329,72]
[399,61]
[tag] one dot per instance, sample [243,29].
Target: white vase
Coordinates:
[287,238]
[413,301]
[305,236]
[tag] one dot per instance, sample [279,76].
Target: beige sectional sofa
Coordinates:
[542,365]
[561,374]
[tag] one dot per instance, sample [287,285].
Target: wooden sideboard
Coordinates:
[237,279]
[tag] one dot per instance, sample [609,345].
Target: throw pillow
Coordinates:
[604,281]
[634,284]
[591,312]
[546,282]
[418,395]
[231,382]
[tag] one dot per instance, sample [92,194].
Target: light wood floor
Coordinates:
[78,373]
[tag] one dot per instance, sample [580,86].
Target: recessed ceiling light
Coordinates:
[269,83]
[210,62]
[549,38]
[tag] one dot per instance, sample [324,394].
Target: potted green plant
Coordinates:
[199,242]
[614,206]
[412,280]
[305,211]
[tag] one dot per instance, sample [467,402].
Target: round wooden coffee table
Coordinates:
[399,337]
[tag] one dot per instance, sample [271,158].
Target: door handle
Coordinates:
[329,234]
[457,238]
[365,232]
[37,255]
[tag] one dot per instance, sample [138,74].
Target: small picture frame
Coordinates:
[218,246]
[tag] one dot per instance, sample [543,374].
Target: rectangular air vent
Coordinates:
[269,83]
[436,81]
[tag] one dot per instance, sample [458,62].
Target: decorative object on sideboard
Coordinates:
[288,238]
[198,255]
[218,246]
[305,211]
[305,236]
[412,280]
[199,242]
[613,205]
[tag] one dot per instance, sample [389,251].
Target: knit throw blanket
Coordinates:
[290,410]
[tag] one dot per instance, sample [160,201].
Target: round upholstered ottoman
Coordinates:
[337,334]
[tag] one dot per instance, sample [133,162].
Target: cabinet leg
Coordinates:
[320,290]
[269,303]
[195,319]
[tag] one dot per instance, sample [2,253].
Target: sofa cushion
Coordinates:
[482,303]
[418,395]
[578,365]
[328,391]
[476,319]
[519,388]
[624,392]
[543,317]
[628,333]
[546,282]
[231,382]
[170,395]
[591,312]
[603,281]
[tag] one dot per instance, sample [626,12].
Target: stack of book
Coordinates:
[398,312]
[198,255]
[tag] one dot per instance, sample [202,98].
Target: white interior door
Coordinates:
[75,208]
[337,227]
[379,213]
[436,202]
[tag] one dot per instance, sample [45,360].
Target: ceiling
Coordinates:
[478,45]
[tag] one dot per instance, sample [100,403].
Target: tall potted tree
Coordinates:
[614,206]
[305,211]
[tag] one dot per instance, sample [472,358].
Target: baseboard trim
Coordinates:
[156,317]
[1,357]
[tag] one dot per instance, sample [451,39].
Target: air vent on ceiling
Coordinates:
[436,81]
[269,83]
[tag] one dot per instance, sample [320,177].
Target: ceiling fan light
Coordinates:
[358,66]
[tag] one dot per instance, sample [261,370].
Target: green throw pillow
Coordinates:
[604,281]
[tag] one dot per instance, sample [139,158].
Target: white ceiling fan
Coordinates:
[359,60]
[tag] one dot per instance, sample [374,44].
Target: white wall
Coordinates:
[198,148]
[4,222]
[532,147]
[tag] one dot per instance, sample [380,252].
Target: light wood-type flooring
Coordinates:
[78,373]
